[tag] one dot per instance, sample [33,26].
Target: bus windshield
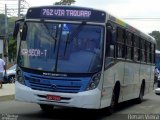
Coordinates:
[61,47]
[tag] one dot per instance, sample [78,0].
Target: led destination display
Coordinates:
[66,13]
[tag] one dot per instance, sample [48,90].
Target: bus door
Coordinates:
[108,66]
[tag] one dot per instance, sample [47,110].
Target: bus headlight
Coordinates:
[94,82]
[20,78]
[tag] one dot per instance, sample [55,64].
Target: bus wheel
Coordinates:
[114,99]
[141,94]
[111,108]
[46,108]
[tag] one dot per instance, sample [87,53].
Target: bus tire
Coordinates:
[111,108]
[46,108]
[114,100]
[141,94]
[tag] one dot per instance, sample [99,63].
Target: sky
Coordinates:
[122,9]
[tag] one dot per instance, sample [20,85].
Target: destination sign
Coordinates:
[66,13]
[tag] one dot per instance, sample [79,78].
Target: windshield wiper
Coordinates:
[78,29]
[67,43]
[74,35]
[53,37]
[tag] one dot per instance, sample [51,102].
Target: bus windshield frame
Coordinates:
[61,47]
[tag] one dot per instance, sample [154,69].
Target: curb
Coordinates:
[7,98]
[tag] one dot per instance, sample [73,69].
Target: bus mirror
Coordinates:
[16,30]
[24,32]
[111,36]
[17,27]
[109,28]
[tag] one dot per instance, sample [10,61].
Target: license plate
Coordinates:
[53,97]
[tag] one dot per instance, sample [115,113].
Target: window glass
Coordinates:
[129,45]
[128,38]
[143,57]
[62,47]
[148,51]
[136,53]
[120,35]
[120,49]
[128,53]
[143,44]
[136,41]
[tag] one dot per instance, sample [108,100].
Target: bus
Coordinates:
[81,57]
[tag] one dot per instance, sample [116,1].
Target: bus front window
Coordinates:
[62,47]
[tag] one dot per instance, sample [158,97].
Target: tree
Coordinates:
[12,49]
[156,35]
[2,24]
[11,43]
[65,2]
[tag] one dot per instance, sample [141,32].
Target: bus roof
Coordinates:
[130,28]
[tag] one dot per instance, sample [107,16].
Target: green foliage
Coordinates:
[2,24]
[65,2]
[12,49]
[156,35]
[11,43]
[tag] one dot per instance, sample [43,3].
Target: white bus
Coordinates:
[81,57]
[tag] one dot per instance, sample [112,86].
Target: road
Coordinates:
[148,109]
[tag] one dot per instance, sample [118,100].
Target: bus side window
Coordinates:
[110,41]
[153,53]
[136,53]
[148,51]
[129,46]
[120,46]
[143,50]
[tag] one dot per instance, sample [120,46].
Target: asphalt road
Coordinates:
[148,110]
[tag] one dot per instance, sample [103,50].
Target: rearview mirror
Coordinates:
[17,26]
[111,36]
[24,32]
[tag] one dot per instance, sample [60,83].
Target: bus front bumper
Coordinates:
[87,99]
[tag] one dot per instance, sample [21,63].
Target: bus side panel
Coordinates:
[151,86]
[111,75]
[131,81]
[145,73]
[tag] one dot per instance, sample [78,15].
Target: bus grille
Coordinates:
[54,85]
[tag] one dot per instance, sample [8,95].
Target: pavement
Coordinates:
[7,92]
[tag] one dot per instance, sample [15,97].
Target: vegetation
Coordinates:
[12,43]
[65,2]
[2,24]
[156,35]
